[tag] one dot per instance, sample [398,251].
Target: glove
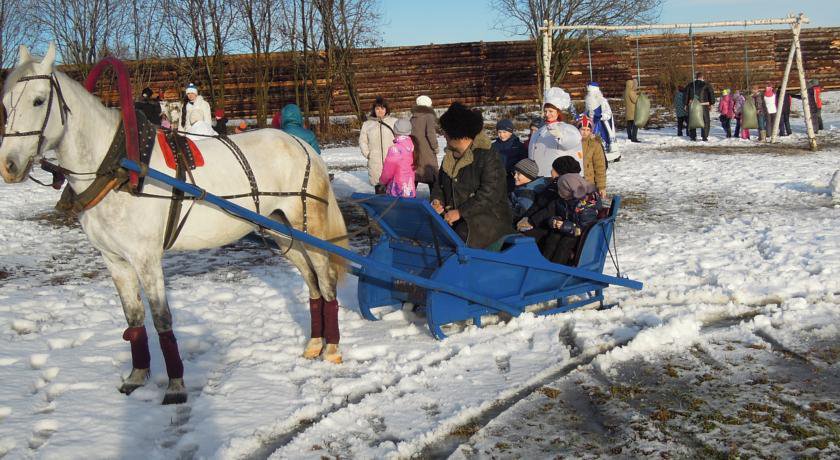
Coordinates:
[524,225]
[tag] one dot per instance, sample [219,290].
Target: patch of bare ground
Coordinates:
[724,399]
[752,148]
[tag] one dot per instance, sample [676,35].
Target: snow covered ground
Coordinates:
[732,347]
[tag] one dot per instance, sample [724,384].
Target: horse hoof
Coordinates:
[135,380]
[174,398]
[176,393]
[127,388]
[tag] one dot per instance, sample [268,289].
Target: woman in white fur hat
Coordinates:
[196,109]
[556,138]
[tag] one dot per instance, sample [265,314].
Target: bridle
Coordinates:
[55,92]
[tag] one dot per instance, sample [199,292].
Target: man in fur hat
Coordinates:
[470,191]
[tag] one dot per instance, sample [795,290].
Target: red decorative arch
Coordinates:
[126,107]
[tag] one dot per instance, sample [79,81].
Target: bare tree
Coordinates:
[84,30]
[525,17]
[15,29]
[201,31]
[260,19]
[348,25]
[301,24]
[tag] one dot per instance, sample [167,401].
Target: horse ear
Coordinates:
[49,59]
[23,55]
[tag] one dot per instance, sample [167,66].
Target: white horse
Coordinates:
[129,230]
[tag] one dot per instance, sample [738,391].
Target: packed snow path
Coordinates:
[737,247]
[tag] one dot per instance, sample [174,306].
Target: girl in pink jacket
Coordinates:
[727,112]
[398,169]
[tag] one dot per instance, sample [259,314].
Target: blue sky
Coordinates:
[411,22]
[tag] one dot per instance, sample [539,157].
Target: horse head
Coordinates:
[34,112]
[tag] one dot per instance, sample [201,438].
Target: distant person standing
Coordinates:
[149,106]
[423,128]
[738,102]
[630,98]
[783,102]
[195,110]
[706,95]
[680,112]
[770,104]
[814,103]
[726,107]
[293,124]
[397,176]
[599,111]
[220,124]
[594,157]
[375,138]
[555,138]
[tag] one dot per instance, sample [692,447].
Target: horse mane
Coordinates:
[16,74]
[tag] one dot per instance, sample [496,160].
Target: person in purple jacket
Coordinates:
[400,163]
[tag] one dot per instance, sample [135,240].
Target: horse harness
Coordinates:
[55,92]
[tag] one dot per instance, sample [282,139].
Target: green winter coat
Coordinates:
[475,185]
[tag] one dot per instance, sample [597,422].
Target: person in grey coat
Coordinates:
[423,129]
[375,138]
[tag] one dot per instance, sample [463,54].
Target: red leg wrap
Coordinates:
[331,321]
[140,358]
[169,347]
[316,317]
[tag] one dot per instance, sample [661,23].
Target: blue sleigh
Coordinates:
[420,259]
[417,240]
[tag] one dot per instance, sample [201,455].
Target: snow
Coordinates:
[738,245]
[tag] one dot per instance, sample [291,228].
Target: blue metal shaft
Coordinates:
[308,239]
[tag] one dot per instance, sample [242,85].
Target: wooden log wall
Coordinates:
[491,73]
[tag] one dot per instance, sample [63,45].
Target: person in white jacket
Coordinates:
[195,103]
[598,110]
[375,138]
[555,138]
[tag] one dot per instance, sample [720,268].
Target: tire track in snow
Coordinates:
[281,439]
[444,447]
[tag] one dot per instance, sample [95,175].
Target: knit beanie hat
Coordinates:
[424,100]
[565,165]
[191,88]
[402,127]
[504,125]
[726,91]
[219,113]
[528,168]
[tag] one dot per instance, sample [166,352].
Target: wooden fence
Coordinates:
[491,73]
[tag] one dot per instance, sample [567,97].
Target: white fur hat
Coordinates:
[424,100]
[558,98]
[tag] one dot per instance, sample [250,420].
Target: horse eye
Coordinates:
[37,102]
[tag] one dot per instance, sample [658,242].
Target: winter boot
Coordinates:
[332,354]
[313,348]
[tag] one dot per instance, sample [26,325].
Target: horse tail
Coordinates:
[336,232]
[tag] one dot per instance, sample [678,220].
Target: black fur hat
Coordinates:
[565,165]
[459,122]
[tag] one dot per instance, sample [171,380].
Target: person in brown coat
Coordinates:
[630,98]
[594,158]
[423,124]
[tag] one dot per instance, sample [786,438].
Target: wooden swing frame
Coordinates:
[795,23]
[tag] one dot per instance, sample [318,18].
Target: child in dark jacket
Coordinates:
[508,145]
[562,212]
[528,186]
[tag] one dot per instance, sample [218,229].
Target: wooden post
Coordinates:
[774,135]
[803,86]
